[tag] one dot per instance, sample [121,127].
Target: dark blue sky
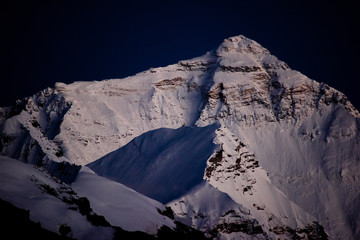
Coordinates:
[43,43]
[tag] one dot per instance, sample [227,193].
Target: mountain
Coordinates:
[235,142]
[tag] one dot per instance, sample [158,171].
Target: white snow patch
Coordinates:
[121,205]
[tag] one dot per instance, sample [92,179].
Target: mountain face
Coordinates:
[235,142]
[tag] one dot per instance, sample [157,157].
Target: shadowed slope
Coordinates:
[162,164]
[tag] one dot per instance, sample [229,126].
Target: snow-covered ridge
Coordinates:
[299,139]
[92,207]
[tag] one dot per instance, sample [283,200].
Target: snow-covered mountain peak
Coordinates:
[240,44]
[283,140]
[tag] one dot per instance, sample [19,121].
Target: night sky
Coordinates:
[63,41]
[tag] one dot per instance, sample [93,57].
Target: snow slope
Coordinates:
[32,188]
[207,209]
[310,166]
[29,188]
[162,164]
[120,205]
[281,134]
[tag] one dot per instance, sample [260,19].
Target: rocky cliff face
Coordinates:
[281,135]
